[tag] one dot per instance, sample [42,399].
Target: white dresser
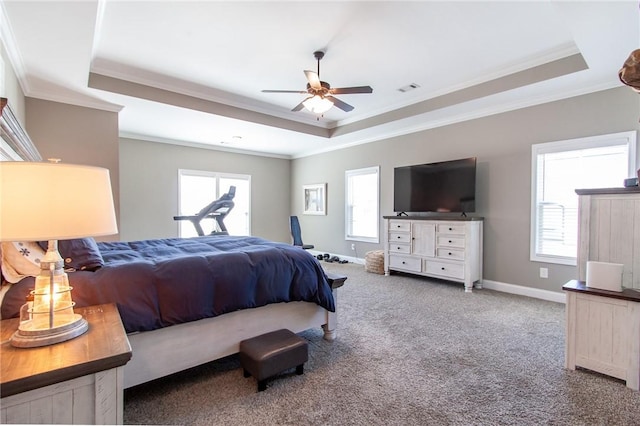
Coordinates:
[449,249]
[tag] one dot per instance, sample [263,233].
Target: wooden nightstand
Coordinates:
[79,381]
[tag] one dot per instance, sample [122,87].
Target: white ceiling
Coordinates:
[193,72]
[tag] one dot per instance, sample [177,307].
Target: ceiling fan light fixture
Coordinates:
[317,104]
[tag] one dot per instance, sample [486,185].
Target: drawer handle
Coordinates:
[450,254]
[403,262]
[398,248]
[398,237]
[450,241]
[442,268]
[450,229]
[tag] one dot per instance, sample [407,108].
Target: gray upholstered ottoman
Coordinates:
[269,354]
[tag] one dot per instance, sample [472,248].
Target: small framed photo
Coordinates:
[315,199]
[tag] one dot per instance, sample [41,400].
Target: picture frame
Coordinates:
[315,199]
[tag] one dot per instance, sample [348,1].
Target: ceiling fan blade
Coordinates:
[351,90]
[314,79]
[284,91]
[340,104]
[299,106]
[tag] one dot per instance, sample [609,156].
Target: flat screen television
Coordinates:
[443,187]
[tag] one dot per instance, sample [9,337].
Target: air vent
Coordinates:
[408,87]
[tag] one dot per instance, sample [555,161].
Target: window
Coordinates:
[362,189]
[196,189]
[558,169]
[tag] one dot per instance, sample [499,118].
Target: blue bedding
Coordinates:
[158,283]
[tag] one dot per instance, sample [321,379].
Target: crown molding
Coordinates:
[9,44]
[211,147]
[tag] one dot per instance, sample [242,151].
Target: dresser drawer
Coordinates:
[445,269]
[450,241]
[412,264]
[398,237]
[450,228]
[450,253]
[399,248]
[399,225]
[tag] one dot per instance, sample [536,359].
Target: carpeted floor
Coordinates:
[410,351]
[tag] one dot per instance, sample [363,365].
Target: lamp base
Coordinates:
[25,337]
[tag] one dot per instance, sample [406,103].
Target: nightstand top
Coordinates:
[104,346]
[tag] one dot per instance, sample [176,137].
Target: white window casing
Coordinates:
[557,170]
[205,187]
[362,204]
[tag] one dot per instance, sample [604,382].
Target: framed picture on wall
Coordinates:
[315,199]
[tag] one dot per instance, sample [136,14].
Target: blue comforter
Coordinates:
[158,283]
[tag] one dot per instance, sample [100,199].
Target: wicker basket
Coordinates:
[374,262]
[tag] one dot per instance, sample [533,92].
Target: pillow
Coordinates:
[21,259]
[81,254]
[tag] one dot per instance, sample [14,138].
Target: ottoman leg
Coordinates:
[262,385]
[300,369]
[245,373]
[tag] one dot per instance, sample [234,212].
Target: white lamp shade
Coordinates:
[49,201]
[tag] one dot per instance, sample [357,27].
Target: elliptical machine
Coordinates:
[218,210]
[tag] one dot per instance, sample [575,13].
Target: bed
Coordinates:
[185,302]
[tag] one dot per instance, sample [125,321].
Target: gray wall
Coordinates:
[149,192]
[76,135]
[502,145]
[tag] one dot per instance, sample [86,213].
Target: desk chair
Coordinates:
[296,233]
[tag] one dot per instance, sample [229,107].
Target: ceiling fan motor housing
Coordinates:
[323,91]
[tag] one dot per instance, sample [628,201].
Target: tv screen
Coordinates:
[444,187]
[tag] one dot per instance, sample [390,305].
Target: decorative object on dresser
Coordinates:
[629,74]
[443,248]
[604,275]
[33,209]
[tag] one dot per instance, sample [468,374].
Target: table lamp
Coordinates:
[42,201]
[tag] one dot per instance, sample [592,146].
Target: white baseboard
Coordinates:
[537,293]
[353,259]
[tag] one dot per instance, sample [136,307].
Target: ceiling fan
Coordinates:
[321,97]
